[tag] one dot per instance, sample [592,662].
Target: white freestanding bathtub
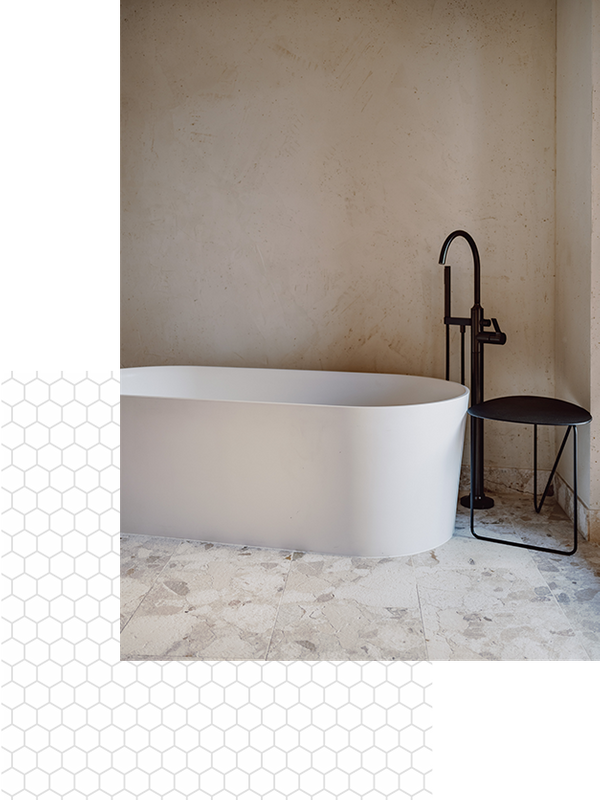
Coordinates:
[333,462]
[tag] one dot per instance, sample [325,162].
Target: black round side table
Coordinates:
[532,410]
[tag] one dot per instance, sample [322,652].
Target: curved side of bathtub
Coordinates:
[350,480]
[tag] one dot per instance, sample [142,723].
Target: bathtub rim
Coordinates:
[463,392]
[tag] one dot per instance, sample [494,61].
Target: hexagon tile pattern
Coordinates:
[79,723]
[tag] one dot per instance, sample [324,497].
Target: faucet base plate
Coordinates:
[480,502]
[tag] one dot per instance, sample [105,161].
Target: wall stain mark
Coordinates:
[285,53]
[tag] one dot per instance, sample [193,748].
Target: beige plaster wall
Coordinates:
[291,169]
[595,280]
[574,221]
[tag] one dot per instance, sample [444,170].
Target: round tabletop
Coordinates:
[531,410]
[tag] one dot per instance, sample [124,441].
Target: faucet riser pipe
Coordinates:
[447,315]
[478,338]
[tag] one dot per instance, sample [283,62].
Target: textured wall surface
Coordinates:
[577,312]
[595,281]
[291,169]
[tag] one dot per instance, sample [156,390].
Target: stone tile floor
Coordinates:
[466,600]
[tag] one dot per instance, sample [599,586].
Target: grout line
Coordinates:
[412,564]
[279,605]
[137,608]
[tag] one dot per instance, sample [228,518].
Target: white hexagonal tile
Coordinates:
[248,709]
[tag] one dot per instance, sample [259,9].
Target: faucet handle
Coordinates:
[498,337]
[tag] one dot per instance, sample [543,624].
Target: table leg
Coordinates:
[532,546]
[560,452]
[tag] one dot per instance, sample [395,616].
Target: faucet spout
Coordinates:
[476,262]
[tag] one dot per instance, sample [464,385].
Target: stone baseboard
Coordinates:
[518,480]
[588,519]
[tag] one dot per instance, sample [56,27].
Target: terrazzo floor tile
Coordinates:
[142,559]
[210,602]
[466,600]
[494,614]
[350,609]
[513,518]
[575,583]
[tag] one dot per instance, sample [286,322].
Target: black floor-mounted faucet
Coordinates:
[479,337]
